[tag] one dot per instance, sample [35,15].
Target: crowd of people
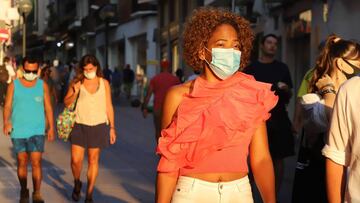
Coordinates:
[225,126]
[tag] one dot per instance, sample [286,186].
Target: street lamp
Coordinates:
[25,7]
[106,13]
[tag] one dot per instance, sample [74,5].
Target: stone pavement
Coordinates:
[127,169]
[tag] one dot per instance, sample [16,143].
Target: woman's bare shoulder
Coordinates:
[180,90]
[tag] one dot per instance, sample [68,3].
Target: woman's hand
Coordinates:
[76,87]
[112,136]
[51,134]
[324,81]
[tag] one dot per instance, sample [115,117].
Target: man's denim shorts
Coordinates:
[32,144]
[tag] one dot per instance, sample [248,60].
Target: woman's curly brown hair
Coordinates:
[200,26]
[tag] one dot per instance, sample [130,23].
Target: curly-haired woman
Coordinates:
[94,124]
[211,124]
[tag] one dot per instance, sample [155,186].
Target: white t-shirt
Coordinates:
[343,143]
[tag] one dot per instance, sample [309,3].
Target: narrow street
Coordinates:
[127,169]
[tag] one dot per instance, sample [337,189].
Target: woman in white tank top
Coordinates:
[94,124]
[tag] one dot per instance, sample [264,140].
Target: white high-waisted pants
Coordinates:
[192,190]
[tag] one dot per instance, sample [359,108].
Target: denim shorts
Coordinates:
[32,144]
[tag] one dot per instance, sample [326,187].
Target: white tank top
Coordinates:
[91,108]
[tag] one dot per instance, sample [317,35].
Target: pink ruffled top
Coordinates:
[213,126]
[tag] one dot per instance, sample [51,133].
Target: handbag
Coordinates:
[66,121]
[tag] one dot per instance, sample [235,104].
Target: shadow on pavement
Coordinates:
[8,179]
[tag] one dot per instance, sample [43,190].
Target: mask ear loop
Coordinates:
[344,64]
[207,62]
[350,64]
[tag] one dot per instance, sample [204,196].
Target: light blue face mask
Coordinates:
[224,62]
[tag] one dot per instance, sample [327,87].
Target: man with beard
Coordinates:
[279,127]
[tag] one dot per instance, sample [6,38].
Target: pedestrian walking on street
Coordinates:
[279,127]
[94,127]
[26,105]
[158,86]
[128,80]
[180,74]
[107,74]
[10,69]
[116,82]
[45,76]
[343,142]
[333,67]
[211,124]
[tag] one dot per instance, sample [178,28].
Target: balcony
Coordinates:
[88,26]
[143,7]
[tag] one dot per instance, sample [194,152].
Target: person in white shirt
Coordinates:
[342,148]
[336,63]
[10,70]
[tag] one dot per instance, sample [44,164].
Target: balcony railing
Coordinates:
[143,7]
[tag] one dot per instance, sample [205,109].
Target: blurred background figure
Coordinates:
[195,74]
[334,65]
[45,76]
[10,69]
[158,86]
[107,74]
[180,74]
[116,82]
[73,69]
[279,128]
[128,80]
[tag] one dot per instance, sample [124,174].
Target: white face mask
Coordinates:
[224,62]
[30,76]
[90,75]
[55,62]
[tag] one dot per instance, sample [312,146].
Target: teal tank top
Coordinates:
[28,113]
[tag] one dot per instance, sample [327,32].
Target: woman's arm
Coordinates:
[165,186]
[261,164]
[110,112]
[166,182]
[49,113]
[335,181]
[72,93]
[326,82]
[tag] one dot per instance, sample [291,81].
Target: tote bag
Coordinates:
[66,120]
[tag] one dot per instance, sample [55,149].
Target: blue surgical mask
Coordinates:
[224,62]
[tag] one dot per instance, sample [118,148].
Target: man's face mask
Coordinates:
[30,75]
[225,61]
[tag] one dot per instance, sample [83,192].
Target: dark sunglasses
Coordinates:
[31,71]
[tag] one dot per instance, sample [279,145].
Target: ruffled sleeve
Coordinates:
[266,99]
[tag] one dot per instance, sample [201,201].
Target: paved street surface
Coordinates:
[127,169]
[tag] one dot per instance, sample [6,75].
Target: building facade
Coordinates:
[300,24]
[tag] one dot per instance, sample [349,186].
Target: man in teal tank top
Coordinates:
[27,103]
